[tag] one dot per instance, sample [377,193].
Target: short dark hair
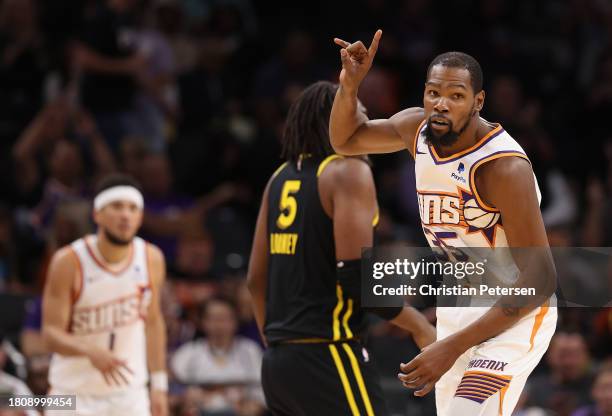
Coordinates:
[460,60]
[116,179]
[307,126]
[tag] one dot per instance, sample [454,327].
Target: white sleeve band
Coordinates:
[118,193]
[159,381]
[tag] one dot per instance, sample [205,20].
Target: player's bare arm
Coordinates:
[61,285]
[348,195]
[415,323]
[155,330]
[350,130]
[508,185]
[257,275]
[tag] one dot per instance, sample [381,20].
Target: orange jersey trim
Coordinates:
[102,265]
[539,318]
[502,394]
[473,176]
[416,138]
[469,149]
[78,284]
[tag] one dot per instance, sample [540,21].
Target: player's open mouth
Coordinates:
[439,123]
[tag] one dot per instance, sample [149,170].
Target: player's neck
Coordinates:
[472,134]
[112,254]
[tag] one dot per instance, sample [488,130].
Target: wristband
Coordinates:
[159,380]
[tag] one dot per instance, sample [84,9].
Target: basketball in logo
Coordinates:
[477,217]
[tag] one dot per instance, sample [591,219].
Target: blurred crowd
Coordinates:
[189,97]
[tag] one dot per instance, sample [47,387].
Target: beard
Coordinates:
[117,241]
[445,139]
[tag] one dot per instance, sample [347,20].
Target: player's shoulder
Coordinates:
[277,172]
[349,171]
[64,264]
[154,254]
[64,255]
[503,177]
[152,249]
[507,169]
[408,120]
[411,114]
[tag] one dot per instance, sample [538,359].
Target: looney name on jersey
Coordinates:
[283,243]
[109,315]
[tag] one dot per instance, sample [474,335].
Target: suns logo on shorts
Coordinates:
[458,210]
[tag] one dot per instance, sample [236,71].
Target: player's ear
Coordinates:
[140,218]
[95,215]
[480,98]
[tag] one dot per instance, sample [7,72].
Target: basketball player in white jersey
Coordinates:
[483,356]
[101,312]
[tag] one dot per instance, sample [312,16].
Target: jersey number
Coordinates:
[448,252]
[288,204]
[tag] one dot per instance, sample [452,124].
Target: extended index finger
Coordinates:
[375,41]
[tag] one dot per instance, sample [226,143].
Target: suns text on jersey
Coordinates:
[440,208]
[106,316]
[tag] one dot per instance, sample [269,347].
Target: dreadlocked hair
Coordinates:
[307,126]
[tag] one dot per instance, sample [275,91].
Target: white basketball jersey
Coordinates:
[454,215]
[109,312]
[446,186]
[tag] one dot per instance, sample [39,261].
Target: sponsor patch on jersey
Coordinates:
[458,178]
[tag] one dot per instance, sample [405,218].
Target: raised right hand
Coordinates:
[356,60]
[111,367]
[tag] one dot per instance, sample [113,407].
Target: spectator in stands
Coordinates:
[601,335]
[64,136]
[8,259]
[107,59]
[21,67]
[596,229]
[225,367]
[155,102]
[601,393]
[32,343]
[568,384]
[171,217]
[246,317]
[11,385]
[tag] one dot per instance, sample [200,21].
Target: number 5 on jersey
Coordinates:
[288,204]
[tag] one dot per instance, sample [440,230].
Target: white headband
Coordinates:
[118,193]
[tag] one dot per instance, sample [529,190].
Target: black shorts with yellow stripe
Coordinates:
[321,379]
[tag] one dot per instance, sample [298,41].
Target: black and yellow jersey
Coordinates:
[303,298]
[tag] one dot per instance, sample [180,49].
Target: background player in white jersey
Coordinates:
[101,312]
[483,356]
